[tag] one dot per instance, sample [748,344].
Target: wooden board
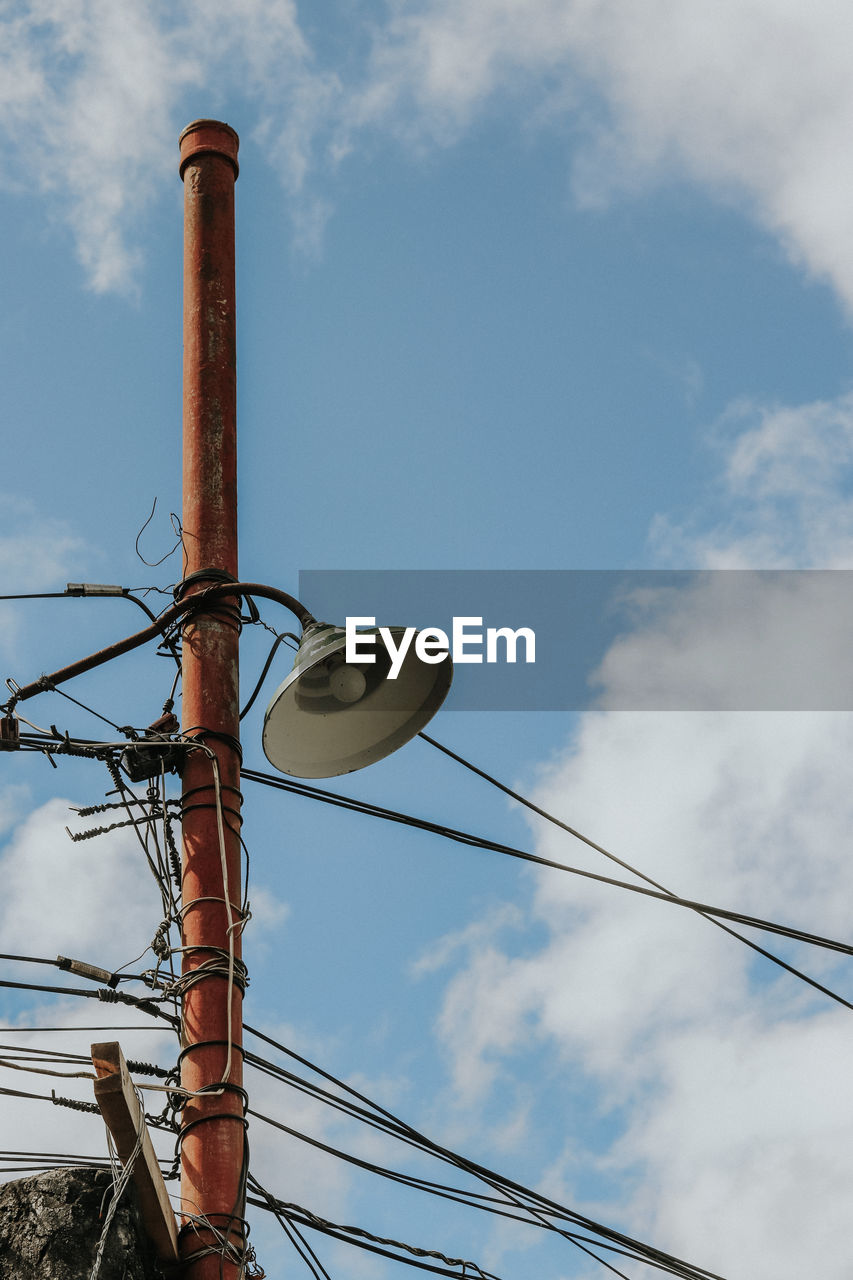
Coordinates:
[120,1108]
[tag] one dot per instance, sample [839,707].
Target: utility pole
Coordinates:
[213,1131]
[365,721]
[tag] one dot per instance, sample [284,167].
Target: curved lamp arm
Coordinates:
[195,603]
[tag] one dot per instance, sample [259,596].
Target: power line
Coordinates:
[471,1199]
[364,1239]
[289,1228]
[106,994]
[661,894]
[499,1207]
[13,1055]
[645,1253]
[708,913]
[91,591]
[41,1161]
[482,842]
[534,1202]
[538,1209]
[397,1250]
[100,1027]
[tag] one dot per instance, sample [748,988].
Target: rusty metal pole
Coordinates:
[213,1135]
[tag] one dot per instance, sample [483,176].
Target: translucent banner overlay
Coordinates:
[632,640]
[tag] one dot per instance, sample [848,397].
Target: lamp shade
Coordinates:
[331,716]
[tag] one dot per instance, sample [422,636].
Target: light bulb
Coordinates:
[347,684]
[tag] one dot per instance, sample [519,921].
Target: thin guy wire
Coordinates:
[119,1185]
[84,707]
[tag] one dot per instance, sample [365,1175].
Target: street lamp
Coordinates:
[331,716]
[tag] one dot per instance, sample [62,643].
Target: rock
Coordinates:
[50,1226]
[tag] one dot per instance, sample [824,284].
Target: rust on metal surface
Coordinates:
[213,1134]
[208,136]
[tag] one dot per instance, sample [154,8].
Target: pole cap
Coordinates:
[205,137]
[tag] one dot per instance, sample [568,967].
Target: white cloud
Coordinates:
[435,64]
[90,98]
[35,550]
[60,898]
[736,641]
[725,1077]
[751,99]
[267,910]
[476,934]
[58,894]
[37,553]
[719,1078]
[13,797]
[750,1118]
[784,495]
[88,89]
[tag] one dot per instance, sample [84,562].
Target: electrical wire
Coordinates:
[707,913]
[279,638]
[32,1053]
[152,564]
[14,1055]
[378,1117]
[40,1161]
[500,1207]
[292,1232]
[662,895]
[156,862]
[358,1236]
[89,1108]
[292,1213]
[106,994]
[126,593]
[27,1031]
[481,842]
[20,1093]
[229,911]
[168,621]
[91,710]
[121,1179]
[51,740]
[46,1071]
[397,1128]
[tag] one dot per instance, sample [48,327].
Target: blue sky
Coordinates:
[540,285]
